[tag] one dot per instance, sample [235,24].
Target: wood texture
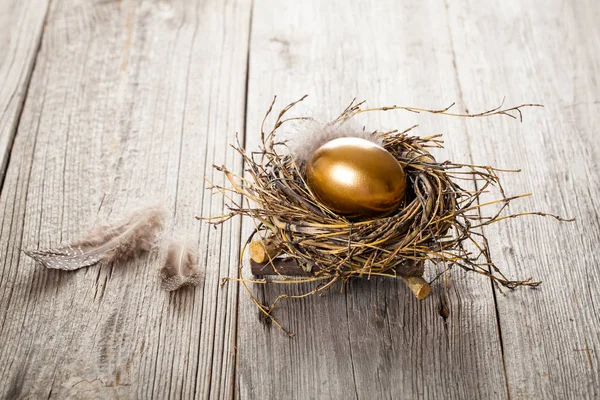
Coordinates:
[549,54]
[133,101]
[130,102]
[22,22]
[291,267]
[374,340]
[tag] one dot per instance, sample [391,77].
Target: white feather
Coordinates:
[309,135]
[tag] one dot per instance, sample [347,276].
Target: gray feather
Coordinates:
[180,267]
[107,244]
[310,135]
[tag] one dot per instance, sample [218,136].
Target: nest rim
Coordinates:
[285,209]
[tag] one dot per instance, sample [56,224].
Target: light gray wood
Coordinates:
[375,340]
[22,24]
[130,102]
[542,52]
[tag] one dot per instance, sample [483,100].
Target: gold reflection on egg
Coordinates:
[356,177]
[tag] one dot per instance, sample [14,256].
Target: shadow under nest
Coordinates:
[439,219]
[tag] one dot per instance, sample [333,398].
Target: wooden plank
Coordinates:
[374,340]
[542,52]
[22,24]
[130,102]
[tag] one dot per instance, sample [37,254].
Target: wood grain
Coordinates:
[114,104]
[374,340]
[130,102]
[22,24]
[543,54]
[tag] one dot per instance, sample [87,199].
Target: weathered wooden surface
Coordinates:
[129,102]
[549,54]
[133,101]
[374,340]
[20,36]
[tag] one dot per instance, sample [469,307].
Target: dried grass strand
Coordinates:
[438,221]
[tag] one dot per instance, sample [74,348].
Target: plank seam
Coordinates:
[468,139]
[350,347]
[234,390]
[12,135]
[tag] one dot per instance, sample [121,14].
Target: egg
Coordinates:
[356,177]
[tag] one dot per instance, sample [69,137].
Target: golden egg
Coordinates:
[356,177]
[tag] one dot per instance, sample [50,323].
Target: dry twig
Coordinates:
[437,222]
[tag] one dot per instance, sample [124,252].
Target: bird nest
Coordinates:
[439,220]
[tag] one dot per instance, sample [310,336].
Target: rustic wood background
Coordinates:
[107,104]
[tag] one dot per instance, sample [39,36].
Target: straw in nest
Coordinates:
[299,239]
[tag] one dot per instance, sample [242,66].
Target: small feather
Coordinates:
[310,135]
[180,267]
[107,244]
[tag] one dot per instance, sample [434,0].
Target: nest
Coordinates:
[439,220]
